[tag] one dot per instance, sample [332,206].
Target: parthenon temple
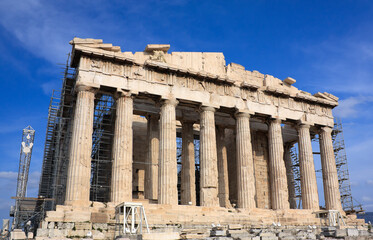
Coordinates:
[195,140]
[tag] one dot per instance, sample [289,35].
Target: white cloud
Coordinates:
[342,64]
[9,175]
[49,86]
[367,199]
[369,182]
[353,107]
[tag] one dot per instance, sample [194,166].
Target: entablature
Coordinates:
[155,76]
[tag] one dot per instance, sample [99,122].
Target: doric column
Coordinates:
[310,197]
[121,173]
[167,172]
[290,176]
[188,182]
[208,159]
[245,163]
[151,166]
[277,170]
[329,170]
[223,191]
[79,171]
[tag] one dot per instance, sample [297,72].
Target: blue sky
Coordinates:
[324,45]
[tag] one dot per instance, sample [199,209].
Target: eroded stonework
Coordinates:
[235,126]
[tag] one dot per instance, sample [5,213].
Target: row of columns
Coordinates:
[161,181]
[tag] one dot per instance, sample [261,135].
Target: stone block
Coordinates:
[68,225]
[98,234]
[56,216]
[83,226]
[56,233]
[287,238]
[99,226]
[218,233]
[51,225]
[340,233]
[99,217]
[363,233]
[268,238]
[44,225]
[285,235]
[77,234]
[311,236]
[163,236]
[267,234]
[352,232]
[234,226]
[17,234]
[77,216]
[42,232]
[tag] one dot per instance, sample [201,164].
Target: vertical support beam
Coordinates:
[208,158]
[329,170]
[79,171]
[167,172]
[310,197]
[223,192]
[277,170]
[290,176]
[121,173]
[245,163]
[188,174]
[152,160]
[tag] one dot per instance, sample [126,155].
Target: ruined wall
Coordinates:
[230,138]
[139,155]
[260,155]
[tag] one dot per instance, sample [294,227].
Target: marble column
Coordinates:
[208,159]
[121,173]
[79,171]
[329,170]
[167,169]
[290,176]
[188,174]
[277,170]
[245,163]
[310,197]
[151,166]
[223,191]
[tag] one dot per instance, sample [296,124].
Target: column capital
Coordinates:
[275,120]
[83,87]
[207,108]
[302,125]
[243,113]
[172,101]
[326,129]
[122,93]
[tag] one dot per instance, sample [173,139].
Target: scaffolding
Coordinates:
[349,204]
[58,133]
[296,174]
[102,138]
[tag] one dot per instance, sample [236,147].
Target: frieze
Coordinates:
[202,81]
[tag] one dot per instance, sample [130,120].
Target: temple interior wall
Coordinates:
[140,146]
[230,138]
[261,172]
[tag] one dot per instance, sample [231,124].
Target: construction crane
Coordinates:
[27,144]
